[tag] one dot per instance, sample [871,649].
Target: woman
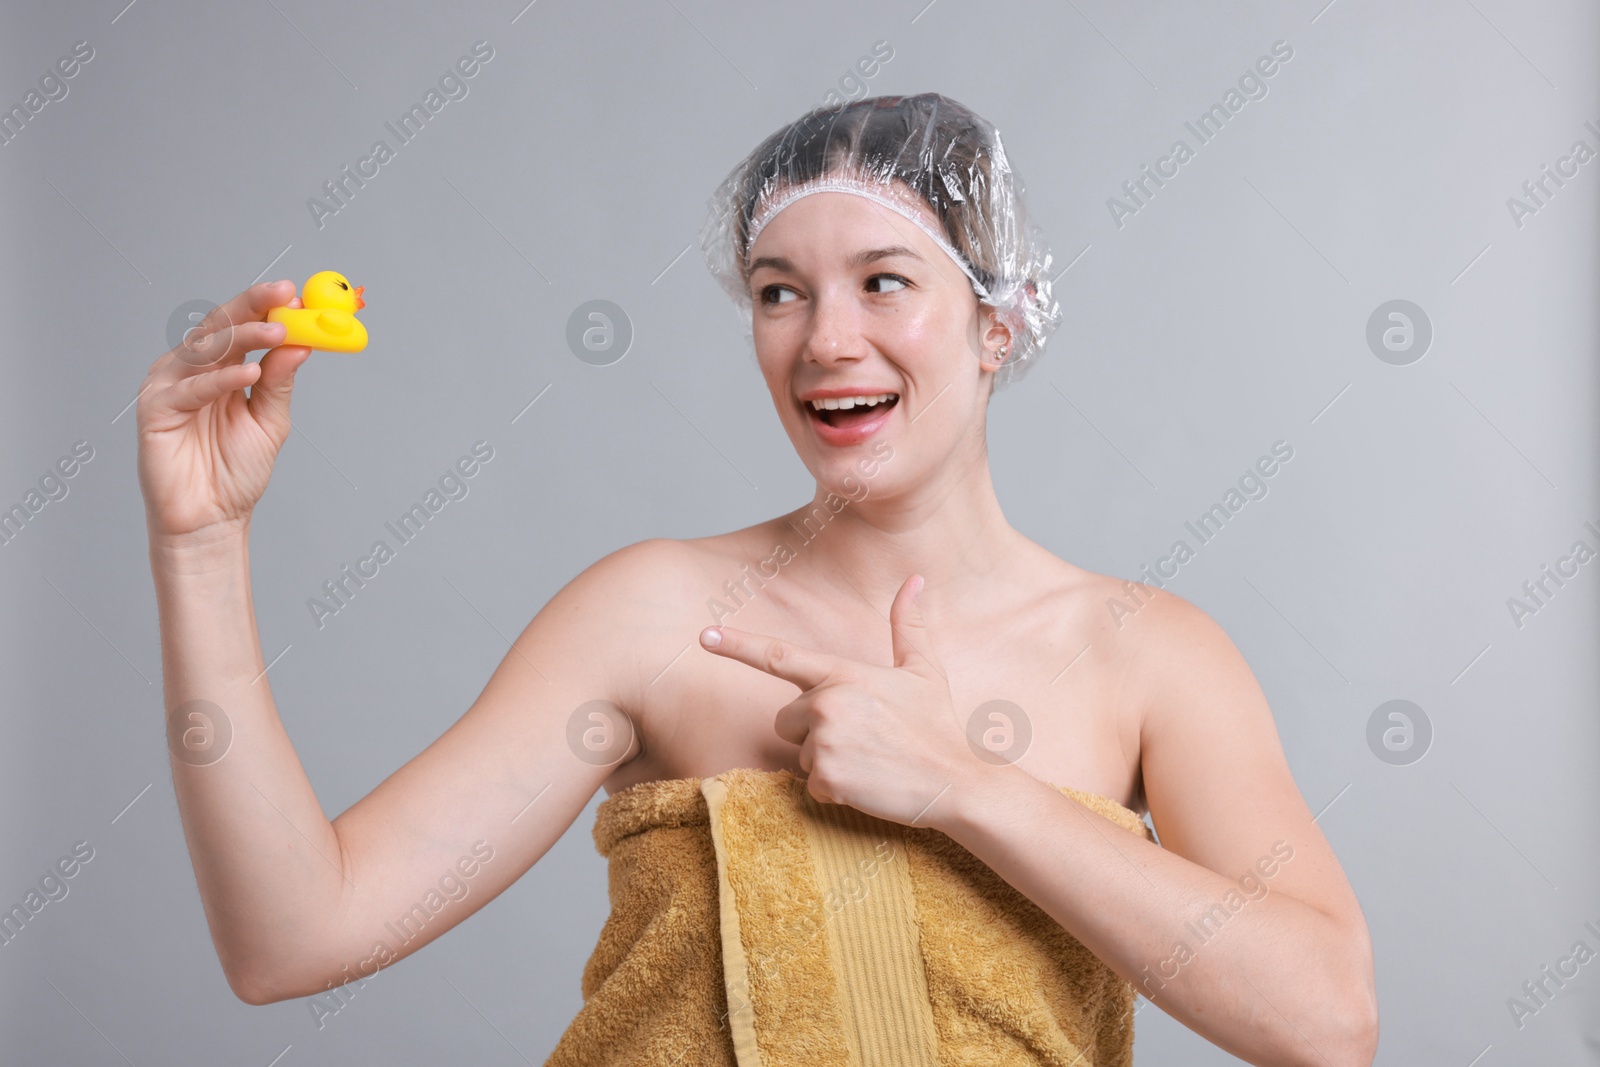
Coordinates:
[882,252]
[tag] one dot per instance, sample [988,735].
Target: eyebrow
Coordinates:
[861,258]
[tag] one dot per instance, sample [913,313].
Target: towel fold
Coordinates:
[752,926]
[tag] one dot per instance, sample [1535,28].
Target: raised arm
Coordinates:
[296,902]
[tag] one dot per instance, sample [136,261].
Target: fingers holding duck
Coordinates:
[228,331]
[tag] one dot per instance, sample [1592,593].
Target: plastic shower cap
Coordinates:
[943,153]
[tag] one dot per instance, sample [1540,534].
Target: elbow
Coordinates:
[256,990]
[261,973]
[1358,997]
[1359,1027]
[1334,1023]
[245,978]
[256,985]
[262,985]
[250,988]
[1348,1036]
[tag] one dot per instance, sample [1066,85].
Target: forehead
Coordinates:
[832,220]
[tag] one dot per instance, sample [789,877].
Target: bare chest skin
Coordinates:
[1049,646]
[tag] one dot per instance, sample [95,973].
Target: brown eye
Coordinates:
[903,282]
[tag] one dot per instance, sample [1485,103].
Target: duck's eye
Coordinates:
[768,293]
[344,285]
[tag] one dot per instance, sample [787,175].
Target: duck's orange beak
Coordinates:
[360,303]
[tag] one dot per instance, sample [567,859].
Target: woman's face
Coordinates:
[850,298]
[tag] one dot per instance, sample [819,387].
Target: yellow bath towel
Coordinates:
[752,926]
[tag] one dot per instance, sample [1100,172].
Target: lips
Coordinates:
[840,427]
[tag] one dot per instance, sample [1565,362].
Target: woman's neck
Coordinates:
[951,530]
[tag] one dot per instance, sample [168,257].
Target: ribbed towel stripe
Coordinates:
[873,940]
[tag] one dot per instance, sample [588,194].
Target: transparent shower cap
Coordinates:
[946,156]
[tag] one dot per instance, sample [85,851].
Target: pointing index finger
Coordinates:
[802,666]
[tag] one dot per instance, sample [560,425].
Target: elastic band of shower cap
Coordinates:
[927,158]
[872,191]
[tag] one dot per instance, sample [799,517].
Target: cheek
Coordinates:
[777,372]
[927,335]
[771,349]
[777,337]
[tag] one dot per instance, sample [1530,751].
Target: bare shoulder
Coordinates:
[1181,670]
[662,576]
[635,576]
[1121,623]
[1173,646]
[649,598]
[1136,627]
[1172,659]
[672,566]
[1146,656]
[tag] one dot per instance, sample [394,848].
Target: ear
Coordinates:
[996,342]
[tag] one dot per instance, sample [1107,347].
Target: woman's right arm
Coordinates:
[295,902]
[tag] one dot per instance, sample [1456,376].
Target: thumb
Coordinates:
[913,648]
[269,396]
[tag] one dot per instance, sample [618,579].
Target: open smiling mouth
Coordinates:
[856,414]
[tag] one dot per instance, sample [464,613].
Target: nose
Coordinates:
[835,331]
[360,303]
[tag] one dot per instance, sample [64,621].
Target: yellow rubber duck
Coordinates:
[328,320]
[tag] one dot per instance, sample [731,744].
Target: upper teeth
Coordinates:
[851,401]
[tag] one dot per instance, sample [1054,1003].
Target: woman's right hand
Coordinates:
[205,450]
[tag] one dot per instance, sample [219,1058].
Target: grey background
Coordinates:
[1229,313]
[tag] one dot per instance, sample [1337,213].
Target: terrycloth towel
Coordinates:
[752,926]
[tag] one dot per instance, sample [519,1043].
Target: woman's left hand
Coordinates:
[884,740]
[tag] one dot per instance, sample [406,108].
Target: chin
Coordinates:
[867,470]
